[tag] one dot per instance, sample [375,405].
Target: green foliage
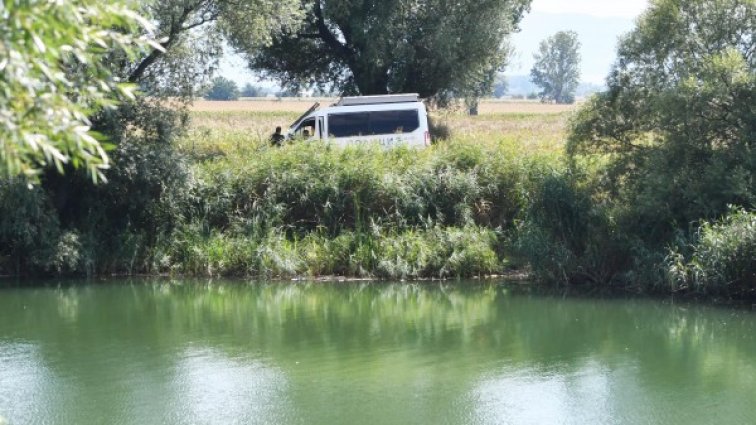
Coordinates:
[372,47]
[557,67]
[568,238]
[53,73]
[115,225]
[670,146]
[192,33]
[222,89]
[311,209]
[29,228]
[432,253]
[677,124]
[312,186]
[722,258]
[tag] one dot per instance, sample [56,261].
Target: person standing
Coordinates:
[277,138]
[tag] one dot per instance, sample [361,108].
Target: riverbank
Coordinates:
[497,197]
[229,205]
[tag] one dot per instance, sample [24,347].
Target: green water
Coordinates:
[238,353]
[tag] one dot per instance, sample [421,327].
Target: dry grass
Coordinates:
[227,127]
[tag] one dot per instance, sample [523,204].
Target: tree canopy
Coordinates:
[376,47]
[678,120]
[62,61]
[223,89]
[557,67]
[53,74]
[192,34]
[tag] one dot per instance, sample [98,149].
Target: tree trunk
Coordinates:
[370,81]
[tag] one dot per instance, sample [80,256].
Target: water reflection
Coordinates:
[375,353]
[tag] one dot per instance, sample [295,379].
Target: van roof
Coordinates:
[376,100]
[386,99]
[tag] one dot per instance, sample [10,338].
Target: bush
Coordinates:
[569,238]
[308,187]
[677,121]
[114,226]
[722,260]
[29,229]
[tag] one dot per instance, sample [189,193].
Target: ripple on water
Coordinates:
[25,381]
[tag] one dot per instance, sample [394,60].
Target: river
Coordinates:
[225,352]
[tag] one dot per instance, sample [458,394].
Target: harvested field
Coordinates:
[239,127]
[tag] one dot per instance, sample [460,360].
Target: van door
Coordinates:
[306,130]
[321,128]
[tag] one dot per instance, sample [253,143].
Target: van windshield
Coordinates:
[373,123]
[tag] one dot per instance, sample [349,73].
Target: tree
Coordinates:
[53,72]
[192,34]
[501,86]
[557,67]
[252,91]
[678,121]
[374,47]
[223,89]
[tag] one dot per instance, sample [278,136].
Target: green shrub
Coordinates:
[29,228]
[115,225]
[570,238]
[223,89]
[722,260]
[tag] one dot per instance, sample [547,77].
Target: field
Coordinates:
[234,127]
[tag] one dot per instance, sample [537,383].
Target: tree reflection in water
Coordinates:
[330,353]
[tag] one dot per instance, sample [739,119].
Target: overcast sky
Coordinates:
[599,24]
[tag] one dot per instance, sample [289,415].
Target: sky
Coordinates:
[599,24]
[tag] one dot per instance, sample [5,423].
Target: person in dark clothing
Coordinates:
[277,138]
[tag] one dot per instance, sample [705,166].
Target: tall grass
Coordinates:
[721,260]
[431,253]
[313,209]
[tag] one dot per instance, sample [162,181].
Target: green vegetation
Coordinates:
[557,67]
[721,258]
[655,192]
[222,89]
[191,34]
[53,74]
[666,150]
[238,207]
[431,47]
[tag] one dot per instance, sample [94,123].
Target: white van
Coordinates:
[390,120]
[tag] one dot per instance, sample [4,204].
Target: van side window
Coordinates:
[393,122]
[346,125]
[373,123]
